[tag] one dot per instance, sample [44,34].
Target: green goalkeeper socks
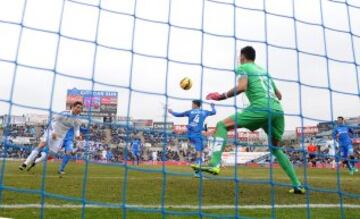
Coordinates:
[217,144]
[286,165]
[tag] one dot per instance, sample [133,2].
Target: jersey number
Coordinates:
[196,119]
[268,86]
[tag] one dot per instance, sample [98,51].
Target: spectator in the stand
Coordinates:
[154,155]
[109,155]
[312,150]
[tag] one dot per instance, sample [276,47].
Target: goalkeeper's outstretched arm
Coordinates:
[241,87]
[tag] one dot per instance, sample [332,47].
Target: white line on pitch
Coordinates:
[65,206]
[159,177]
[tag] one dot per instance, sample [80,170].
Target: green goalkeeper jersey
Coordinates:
[261,87]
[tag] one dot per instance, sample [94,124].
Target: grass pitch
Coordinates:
[144,188]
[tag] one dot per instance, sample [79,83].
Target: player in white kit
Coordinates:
[54,135]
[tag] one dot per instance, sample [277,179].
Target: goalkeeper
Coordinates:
[264,112]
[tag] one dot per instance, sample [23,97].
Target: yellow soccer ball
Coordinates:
[186,83]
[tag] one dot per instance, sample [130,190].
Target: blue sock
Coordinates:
[353,163]
[348,164]
[198,161]
[65,160]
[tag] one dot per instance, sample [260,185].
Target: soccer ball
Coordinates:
[186,83]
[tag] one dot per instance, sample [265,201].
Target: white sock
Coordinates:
[30,159]
[40,159]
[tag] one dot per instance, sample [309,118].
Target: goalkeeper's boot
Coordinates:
[22,167]
[351,172]
[195,166]
[211,170]
[298,190]
[31,166]
[214,170]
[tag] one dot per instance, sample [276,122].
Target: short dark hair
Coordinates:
[75,104]
[249,53]
[340,117]
[197,102]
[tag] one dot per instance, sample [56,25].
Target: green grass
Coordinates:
[105,184]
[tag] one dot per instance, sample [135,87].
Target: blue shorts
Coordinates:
[346,151]
[68,146]
[45,149]
[197,142]
[136,153]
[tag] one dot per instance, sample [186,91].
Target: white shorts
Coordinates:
[332,153]
[53,145]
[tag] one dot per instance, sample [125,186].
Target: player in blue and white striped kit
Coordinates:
[195,126]
[342,133]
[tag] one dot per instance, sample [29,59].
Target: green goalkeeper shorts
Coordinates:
[254,118]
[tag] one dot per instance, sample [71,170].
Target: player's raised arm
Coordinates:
[213,110]
[183,114]
[241,87]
